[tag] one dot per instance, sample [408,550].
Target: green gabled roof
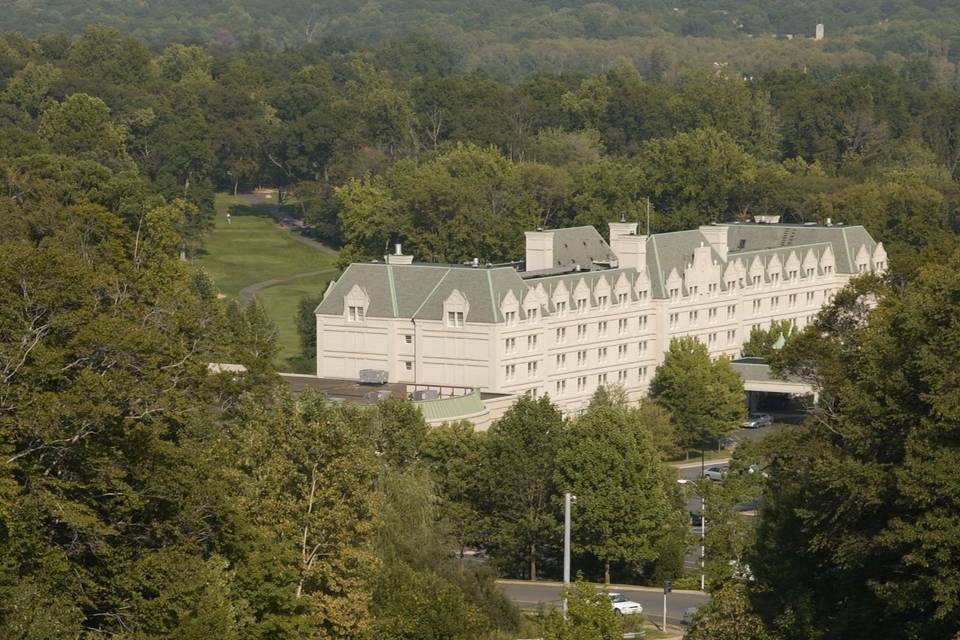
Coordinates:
[845,241]
[580,246]
[669,251]
[783,253]
[394,290]
[483,288]
[451,408]
[419,290]
[570,280]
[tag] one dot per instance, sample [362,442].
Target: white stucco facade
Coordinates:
[603,316]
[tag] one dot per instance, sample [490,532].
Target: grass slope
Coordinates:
[253,248]
[281,302]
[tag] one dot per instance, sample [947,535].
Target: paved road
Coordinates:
[690,470]
[540,594]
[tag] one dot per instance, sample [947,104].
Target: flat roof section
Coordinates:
[348,390]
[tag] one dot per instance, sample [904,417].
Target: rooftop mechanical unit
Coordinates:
[425,394]
[376,396]
[373,376]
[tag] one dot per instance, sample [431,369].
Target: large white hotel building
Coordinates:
[579,313]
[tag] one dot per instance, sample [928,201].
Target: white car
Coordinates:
[715,473]
[623,606]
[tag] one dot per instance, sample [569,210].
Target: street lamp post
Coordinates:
[703,538]
[667,588]
[567,499]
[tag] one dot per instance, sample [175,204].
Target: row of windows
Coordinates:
[755,280]
[582,383]
[623,353]
[583,330]
[581,305]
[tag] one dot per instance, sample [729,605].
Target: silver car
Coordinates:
[757,420]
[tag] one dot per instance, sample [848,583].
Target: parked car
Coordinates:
[696,519]
[757,420]
[715,473]
[623,606]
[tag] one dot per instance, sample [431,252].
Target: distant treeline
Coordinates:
[512,38]
[392,143]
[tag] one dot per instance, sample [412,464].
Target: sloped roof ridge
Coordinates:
[432,291]
[789,247]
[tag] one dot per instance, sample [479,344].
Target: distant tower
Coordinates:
[819,34]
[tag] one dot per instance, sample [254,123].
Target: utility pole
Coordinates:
[703,539]
[567,499]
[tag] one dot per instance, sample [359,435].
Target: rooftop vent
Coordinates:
[742,243]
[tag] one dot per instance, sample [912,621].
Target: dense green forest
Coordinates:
[512,38]
[375,144]
[142,495]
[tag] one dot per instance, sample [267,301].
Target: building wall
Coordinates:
[568,356]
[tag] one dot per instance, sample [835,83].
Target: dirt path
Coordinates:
[251,290]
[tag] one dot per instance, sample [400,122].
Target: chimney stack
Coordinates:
[398,257]
[716,235]
[539,254]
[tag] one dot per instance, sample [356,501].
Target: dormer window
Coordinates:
[602,302]
[455,309]
[355,313]
[510,318]
[581,305]
[561,308]
[532,315]
[355,304]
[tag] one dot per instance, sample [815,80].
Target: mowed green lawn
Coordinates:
[281,301]
[252,248]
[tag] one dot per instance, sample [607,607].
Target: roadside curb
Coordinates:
[632,587]
[694,465]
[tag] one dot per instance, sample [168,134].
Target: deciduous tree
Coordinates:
[705,398]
